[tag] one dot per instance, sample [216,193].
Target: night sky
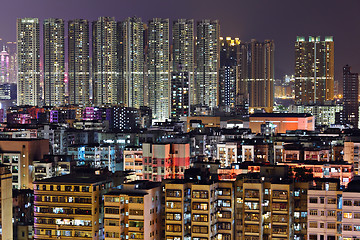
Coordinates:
[280,20]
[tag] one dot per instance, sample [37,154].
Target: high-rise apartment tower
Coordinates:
[158,64]
[183,51]
[314,70]
[28,54]
[351,95]
[229,71]
[256,85]
[79,61]
[207,63]
[131,60]
[105,62]
[54,62]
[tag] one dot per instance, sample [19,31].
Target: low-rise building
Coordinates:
[43,170]
[351,211]
[280,122]
[202,210]
[133,212]
[133,161]
[70,206]
[264,209]
[20,155]
[6,203]
[324,210]
[351,153]
[195,122]
[165,161]
[227,153]
[337,170]
[324,114]
[94,155]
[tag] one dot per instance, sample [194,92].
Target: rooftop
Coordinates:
[129,192]
[354,185]
[143,184]
[76,179]
[281,115]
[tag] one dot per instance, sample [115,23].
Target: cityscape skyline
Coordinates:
[113,49]
[238,21]
[164,120]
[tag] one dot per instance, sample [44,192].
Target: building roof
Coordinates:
[313,162]
[143,184]
[281,115]
[79,178]
[135,192]
[22,139]
[353,186]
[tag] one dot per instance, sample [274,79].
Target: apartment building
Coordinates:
[264,206]
[300,210]
[177,210]
[324,210]
[227,153]
[133,161]
[338,170]
[43,170]
[199,210]
[299,152]
[280,122]
[256,151]
[134,212]
[165,161]
[351,153]
[70,206]
[6,204]
[20,155]
[95,155]
[351,211]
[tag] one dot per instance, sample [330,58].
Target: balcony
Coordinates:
[136,229]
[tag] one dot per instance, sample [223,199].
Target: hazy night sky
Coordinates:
[280,20]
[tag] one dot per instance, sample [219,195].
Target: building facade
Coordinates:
[11,48]
[199,210]
[20,155]
[324,114]
[28,55]
[280,123]
[159,68]
[183,51]
[264,210]
[54,62]
[207,63]
[105,61]
[79,61]
[165,161]
[133,162]
[229,71]
[256,84]
[324,212]
[131,60]
[142,202]
[6,203]
[4,67]
[69,207]
[351,96]
[180,95]
[314,70]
